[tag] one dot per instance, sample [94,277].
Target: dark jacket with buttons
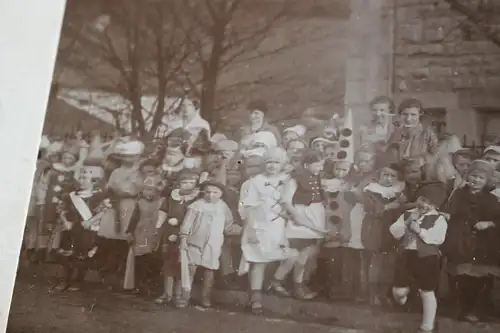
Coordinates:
[309,189]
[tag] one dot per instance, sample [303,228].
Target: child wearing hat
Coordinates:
[306,227]
[124,186]
[421,231]
[202,235]
[170,217]
[81,212]
[492,155]
[471,245]
[293,133]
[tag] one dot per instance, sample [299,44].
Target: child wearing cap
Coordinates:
[306,227]
[421,231]
[293,133]
[141,234]
[492,155]
[368,254]
[471,245]
[202,235]
[170,217]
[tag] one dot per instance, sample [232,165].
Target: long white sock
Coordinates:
[429,303]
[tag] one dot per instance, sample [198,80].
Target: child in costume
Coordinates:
[421,231]
[354,258]
[373,246]
[264,239]
[81,212]
[202,235]
[170,217]
[339,203]
[338,209]
[471,245]
[306,227]
[60,181]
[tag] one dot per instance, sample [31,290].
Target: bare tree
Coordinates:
[130,47]
[162,47]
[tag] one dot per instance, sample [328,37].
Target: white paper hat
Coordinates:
[299,129]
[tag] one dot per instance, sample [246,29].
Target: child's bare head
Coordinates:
[341,169]
[365,159]
[388,175]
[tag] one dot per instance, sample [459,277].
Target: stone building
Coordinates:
[424,49]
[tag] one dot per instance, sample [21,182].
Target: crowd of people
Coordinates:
[376,224]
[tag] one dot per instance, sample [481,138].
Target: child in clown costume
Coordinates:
[170,217]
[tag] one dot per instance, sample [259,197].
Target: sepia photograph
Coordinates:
[267,166]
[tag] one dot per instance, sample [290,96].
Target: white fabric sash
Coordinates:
[81,206]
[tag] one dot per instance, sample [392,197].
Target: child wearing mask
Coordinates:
[202,235]
[471,245]
[170,217]
[306,227]
[421,231]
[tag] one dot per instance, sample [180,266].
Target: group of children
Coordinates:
[365,227]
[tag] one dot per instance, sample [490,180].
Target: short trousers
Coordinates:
[419,272]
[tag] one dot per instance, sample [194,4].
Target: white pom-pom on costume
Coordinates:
[173,221]
[60,178]
[172,238]
[57,188]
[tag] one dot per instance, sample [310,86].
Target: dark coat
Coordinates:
[463,243]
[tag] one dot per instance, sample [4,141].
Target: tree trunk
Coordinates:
[211,77]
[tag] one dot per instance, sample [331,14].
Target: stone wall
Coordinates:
[440,59]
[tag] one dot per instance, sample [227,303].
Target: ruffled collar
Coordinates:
[173,168]
[175,195]
[87,193]
[385,192]
[333,185]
